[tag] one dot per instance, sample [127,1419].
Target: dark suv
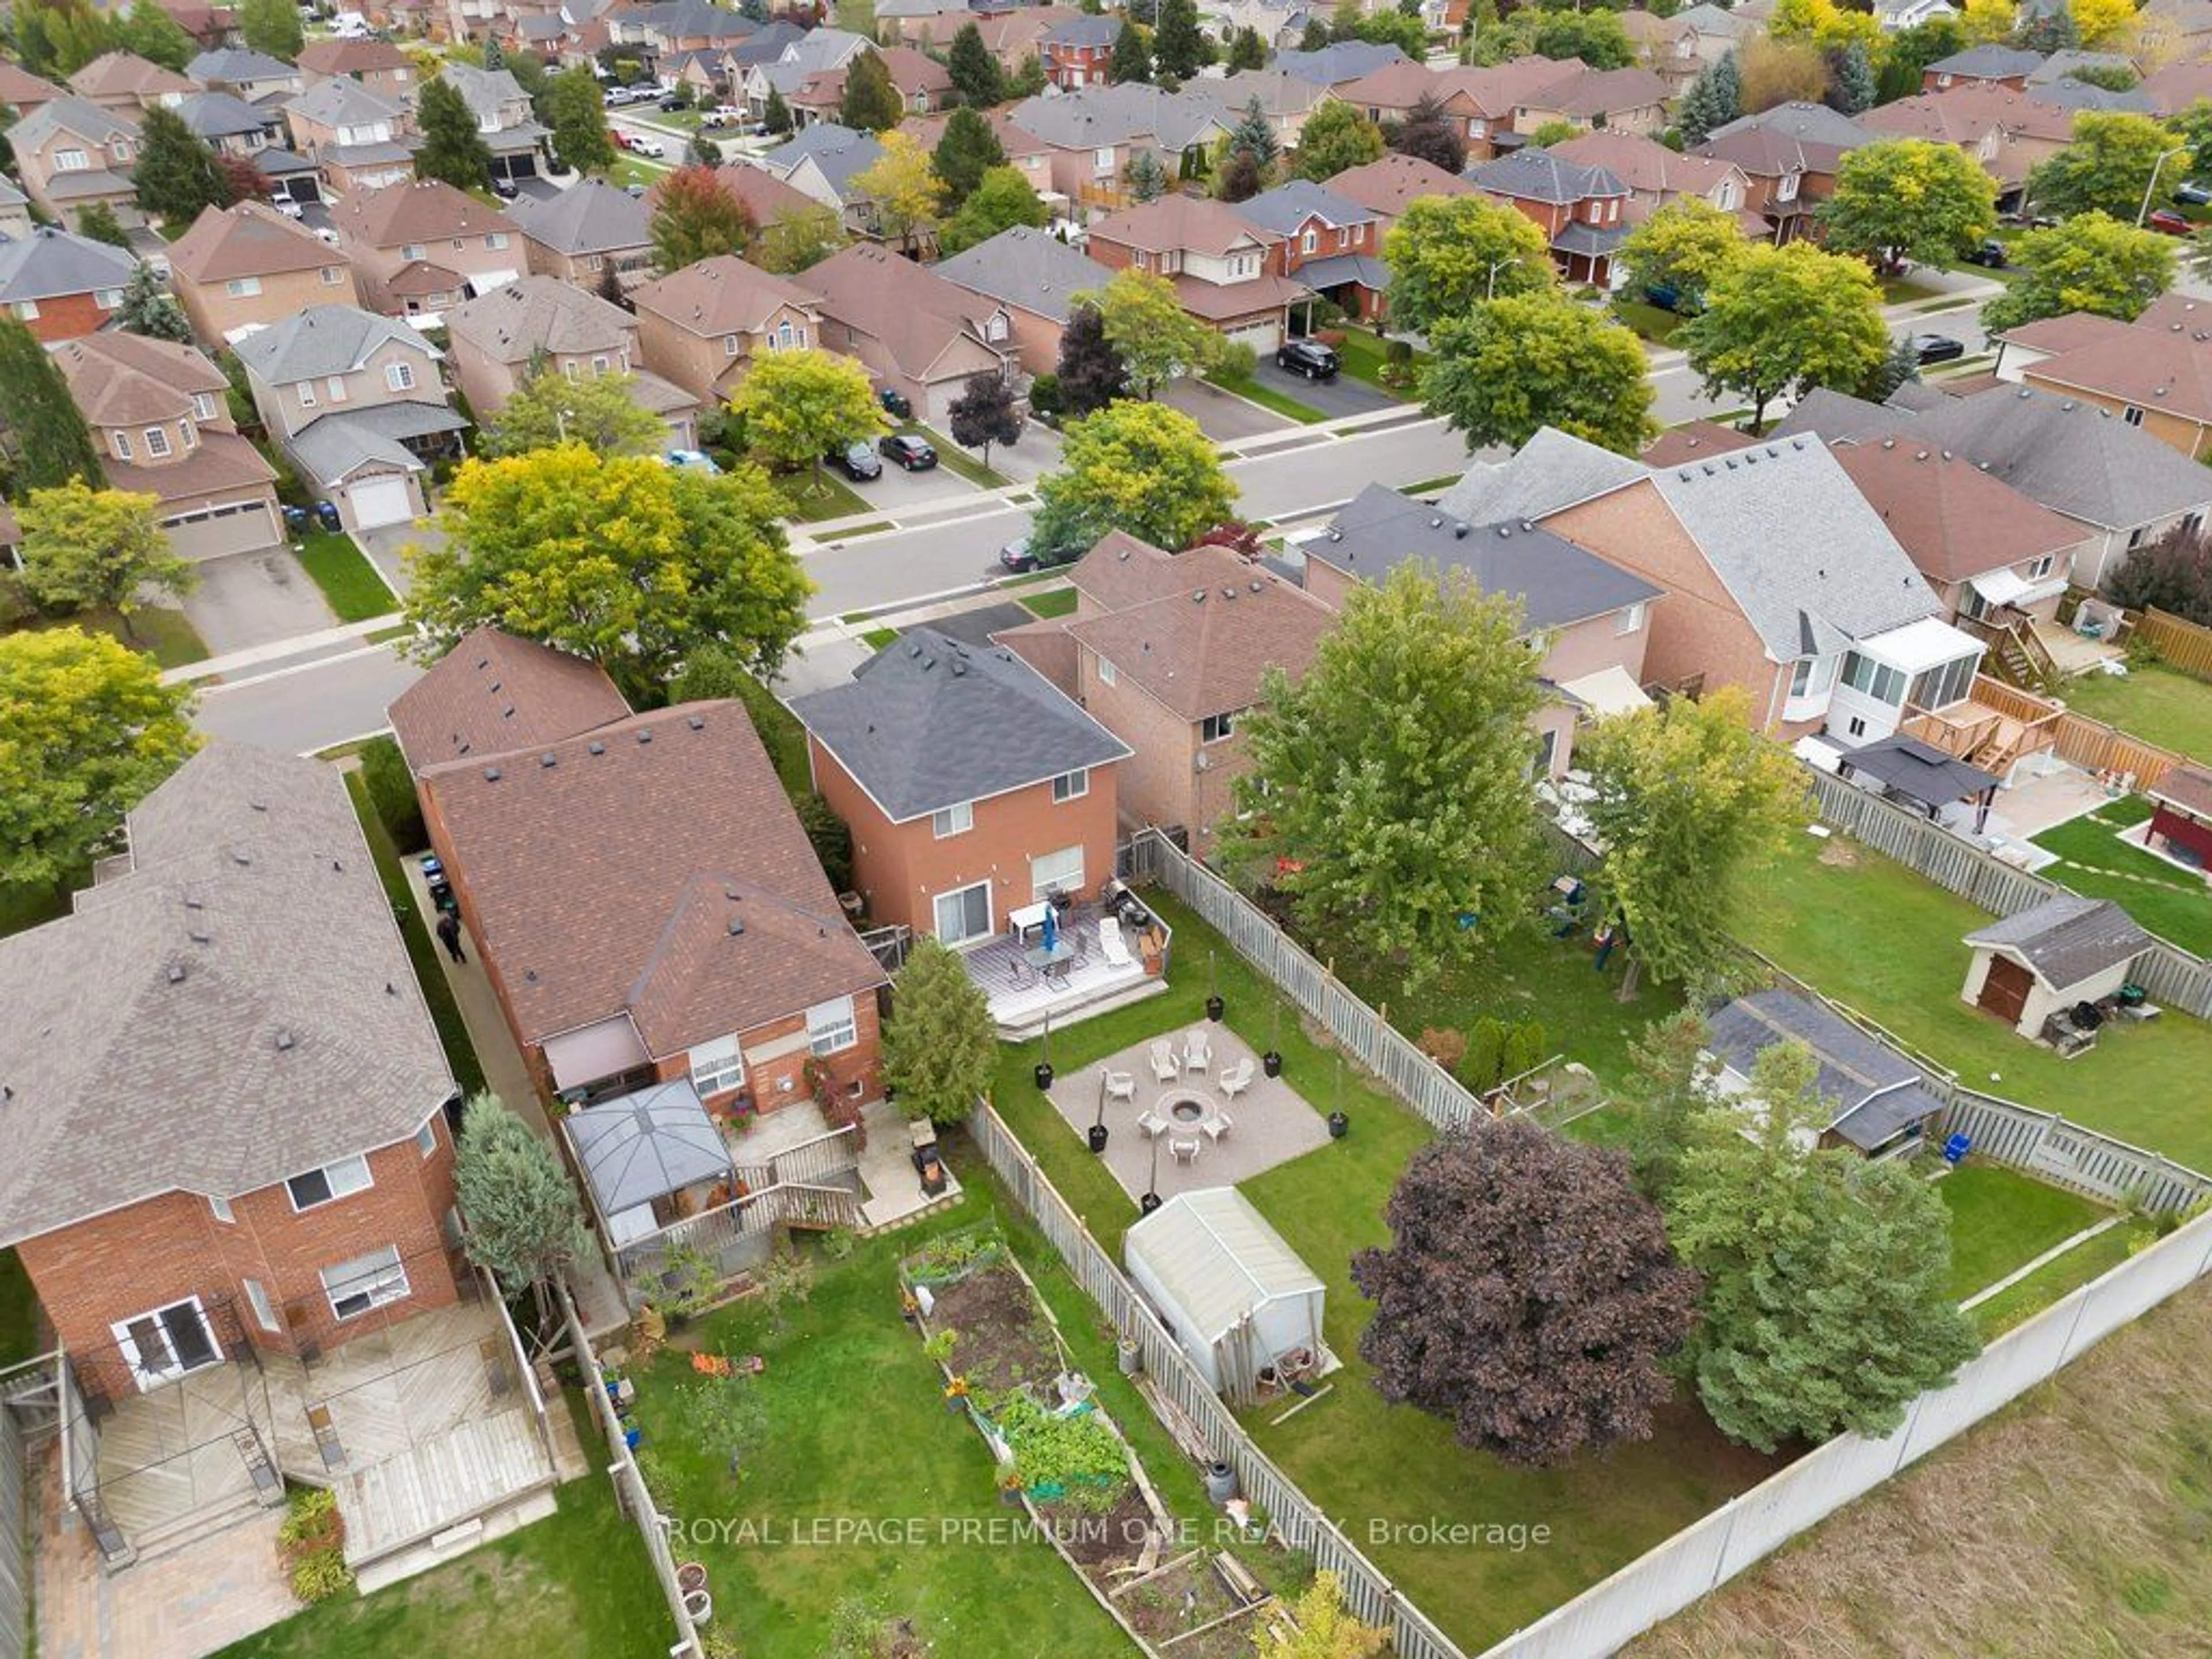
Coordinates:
[904,449]
[857,462]
[1308,357]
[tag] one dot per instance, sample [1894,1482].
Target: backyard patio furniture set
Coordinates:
[1185,1109]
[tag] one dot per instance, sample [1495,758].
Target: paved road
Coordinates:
[303,708]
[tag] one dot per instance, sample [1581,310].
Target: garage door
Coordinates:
[2004,991]
[243,529]
[379,502]
[1263,338]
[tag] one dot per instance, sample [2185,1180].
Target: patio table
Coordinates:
[1051,960]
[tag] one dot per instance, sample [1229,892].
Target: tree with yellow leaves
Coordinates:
[1987,21]
[903,184]
[1321,1628]
[2103,25]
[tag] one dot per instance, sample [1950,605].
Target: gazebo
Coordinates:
[1920,776]
[642,1153]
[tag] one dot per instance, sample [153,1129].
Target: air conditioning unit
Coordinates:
[1202,763]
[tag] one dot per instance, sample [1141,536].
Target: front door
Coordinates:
[162,1345]
[964,914]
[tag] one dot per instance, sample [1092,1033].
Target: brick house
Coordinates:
[638,888]
[973,787]
[378,65]
[242,268]
[252,76]
[821,162]
[1991,64]
[71,154]
[504,118]
[1789,154]
[1391,93]
[422,246]
[229,126]
[700,327]
[1610,100]
[1389,186]
[541,324]
[1034,278]
[923,85]
[2009,133]
[1093,134]
[911,328]
[160,416]
[1656,175]
[1012,36]
[1580,210]
[2152,374]
[293,1172]
[1327,241]
[584,229]
[1219,262]
[127,84]
[1079,52]
[60,285]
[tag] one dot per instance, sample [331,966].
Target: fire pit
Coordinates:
[1187,1108]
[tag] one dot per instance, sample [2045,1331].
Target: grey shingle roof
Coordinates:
[540,313]
[1875,1093]
[1095,117]
[590,217]
[2068,92]
[1342,61]
[141,1050]
[928,723]
[1989,63]
[78,115]
[1549,473]
[235,64]
[1084,30]
[1031,269]
[486,92]
[1338,269]
[1286,207]
[343,101]
[322,340]
[1535,174]
[1556,582]
[338,444]
[838,151]
[1837,417]
[2067,939]
[49,262]
[222,115]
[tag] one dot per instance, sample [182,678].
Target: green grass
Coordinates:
[1898,290]
[1877,936]
[858,529]
[2171,902]
[2002,1220]
[631,169]
[2091,1260]
[1249,388]
[355,590]
[1060,602]
[957,461]
[1431,486]
[167,636]
[385,635]
[576,1585]
[1650,322]
[2154,703]
[816,497]
[1363,357]
[19,1312]
[422,950]
[877,638]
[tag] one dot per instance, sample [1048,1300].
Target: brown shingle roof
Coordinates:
[219,463]
[493,692]
[350,57]
[1953,520]
[1693,440]
[113,73]
[1193,224]
[720,296]
[1390,185]
[1645,164]
[765,197]
[22,91]
[2168,369]
[117,377]
[916,313]
[2054,335]
[250,240]
[2188,787]
[422,210]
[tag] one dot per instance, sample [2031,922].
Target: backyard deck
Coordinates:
[1023,997]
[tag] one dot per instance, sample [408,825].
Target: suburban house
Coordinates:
[580,231]
[629,934]
[1790,153]
[71,154]
[1666,46]
[811,54]
[160,416]
[541,324]
[2154,375]
[246,267]
[360,140]
[1389,186]
[2175,87]
[23,92]
[1286,101]
[60,285]
[1339,64]
[14,210]
[356,402]
[1580,210]
[1012,36]
[2047,959]
[1077,52]
[1592,617]
[252,76]
[127,84]
[2009,133]
[503,115]
[1390,91]
[422,246]
[1095,133]
[973,788]
[1167,651]
[378,65]
[1879,1105]
[1991,64]
[911,328]
[1034,277]
[1613,101]
[923,84]
[821,163]
[1895,14]
[1327,241]
[1027,153]
[1654,175]
[1719,30]
[1217,262]
[700,327]
[228,124]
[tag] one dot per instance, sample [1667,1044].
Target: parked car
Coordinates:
[651,147]
[857,462]
[904,450]
[2167,223]
[1936,349]
[692,460]
[287,207]
[1667,297]
[726,113]
[895,404]
[669,103]
[1991,254]
[1027,553]
[506,189]
[323,515]
[1308,357]
[2196,193]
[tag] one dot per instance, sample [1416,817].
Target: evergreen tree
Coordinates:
[1315,36]
[524,1224]
[776,116]
[495,55]
[1147,180]
[1092,372]
[1254,135]
[975,74]
[454,148]
[1180,50]
[754,11]
[940,1047]
[44,433]
[97,221]
[1247,50]
[1714,99]
[1240,178]
[2055,31]
[1132,59]
[1028,80]
[1851,79]
[155,36]
[176,174]
[703,151]
[1429,135]
[967,150]
[871,103]
[150,309]
[611,288]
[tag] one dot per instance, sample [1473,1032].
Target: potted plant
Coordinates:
[1010,1486]
[955,1394]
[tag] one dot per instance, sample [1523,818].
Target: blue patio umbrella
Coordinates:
[1051,927]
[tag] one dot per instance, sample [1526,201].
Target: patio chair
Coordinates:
[1122,1085]
[1197,1050]
[1150,1124]
[1165,1067]
[1110,942]
[1236,1079]
[1186,1152]
[1218,1125]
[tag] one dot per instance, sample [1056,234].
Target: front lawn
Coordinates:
[1901,291]
[2157,705]
[353,587]
[2002,1220]
[818,496]
[957,460]
[2173,902]
[1058,602]
[167,636]
[1252,390]
[1872,934]
[1365,355]
[1650,322]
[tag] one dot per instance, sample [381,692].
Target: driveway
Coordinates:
[898,489]
[1221,417]
[384,548]
[1037,453]
[246,599]
[1340,397]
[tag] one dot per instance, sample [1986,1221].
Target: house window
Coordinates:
[167,1342]
[413,251]
[496,240]
[1309,242]
[332,276]
[243,288]
[68,161]
[598,367]
[1873,679]
[204,406]
[1941,687]
[426,1138]
[717,1068]
[329,1183]
[1101,162]
[1547,750]
[221,1208]
[831,1027]
[995,329]
[963,914]
[400,377]
[120,442]
[306,394]
[366,1282]
[108,299]
[334,388]
[573,370]
[783,336]
[2132,416]
[2041,568]
[122,148]
[157,443]
[25,310]
[598,262]
[1630,619]
[1106,674]
[955,820]
[1056,872]
[1072,786]
[729,345]
[257,1299]
[1785,188]
[1214,728]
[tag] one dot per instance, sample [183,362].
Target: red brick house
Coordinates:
[1080,51]
[1330,242]
[1582,209]
[227,1108]
[640,891]
[1219,262]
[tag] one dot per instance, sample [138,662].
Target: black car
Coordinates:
[857,462]
[895,404]
[506,189]
[1936,349]
[904,450]
[1027,553]
[2195,193]
[1991,254]
[671,102]
[1308,357]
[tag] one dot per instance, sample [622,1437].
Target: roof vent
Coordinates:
[484,662]
[1920,455]
[195,904]
[913,647]
[1335,532]
[283,1040]
[1773,453]
[1198,596]
[1459,531]
[259,806]
[696,722]
[2067,405]
[529,976]
[1502,530]
[1889,443]
[241,860]
[507,712]
[199,937]
[390,989]
[491,774]
[466,747]
[548,759]
[645,734]
[959,667]
[1709,469]
[1684,475]
[176,973]
[1796,443]
[1255,584]
[596,747]
[737,925]
[1123,554]
[1228,593]
[494,685]
[1751,458]
[1436,523]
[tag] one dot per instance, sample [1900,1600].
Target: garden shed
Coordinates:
[1879,1102]
[1235,1297]
[2051,958]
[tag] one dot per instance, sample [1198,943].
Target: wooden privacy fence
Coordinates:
[2046,1145]
[2180,643]
[2091,744]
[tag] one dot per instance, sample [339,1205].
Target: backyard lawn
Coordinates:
[1874,935]
[19,1312]
[2173,902]
[2002,1220]
[348,581]
[2159,705]
[2091,1259]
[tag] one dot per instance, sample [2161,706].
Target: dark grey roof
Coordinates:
[1873,1091]
[235,64]
[1837,417]
[1031,269]
[839,151]
[1549,473]
[1989,63]
[322,340]
[338,444]
[49,262]
[2060,65]
[1918,771]
[590,217]
[1535,174]
[2067,939]
[343,101]
[223,115]
[2067,93]
[928,723]
[1085,30]
[647,1145]
[1286,207]
[1341,61]
[1592,241]
[1338,269]
[1556,582]
[277,162]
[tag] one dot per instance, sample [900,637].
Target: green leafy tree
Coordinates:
[1314,36]
[1778,318]
[1395,29]
[1684,246]
[1029,80]
[523,1222]
[1554,132]
[2107,168]
[176,174]
[97,220]
[1247,52]
[1132,59]
[1907,198]
[1510,368]
[578,117]
[1448,253]
[1827,1304]
[1336,137]
[871,103]
[908,195]
[1092,372]
[155,36]
[1712,101]
[1672,1077]
[2092,262]
[452,149]
[967,150]
[1138,467]
[624,560]
[1851,89]
[1387,794]
[1154,337]
[272,27]
[46,440]
[1179,49]
[1147,180]
[87,729]
[57,37]
[984,414]
[703,151]
[1321,1627]
[799,238]
[2194,128]
[776,114]
[87,549]
[696,216]
[1001,201]
[975,73]
[1908,52]
[797,406]
[1692,803]
[940,1047]
[549,409]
